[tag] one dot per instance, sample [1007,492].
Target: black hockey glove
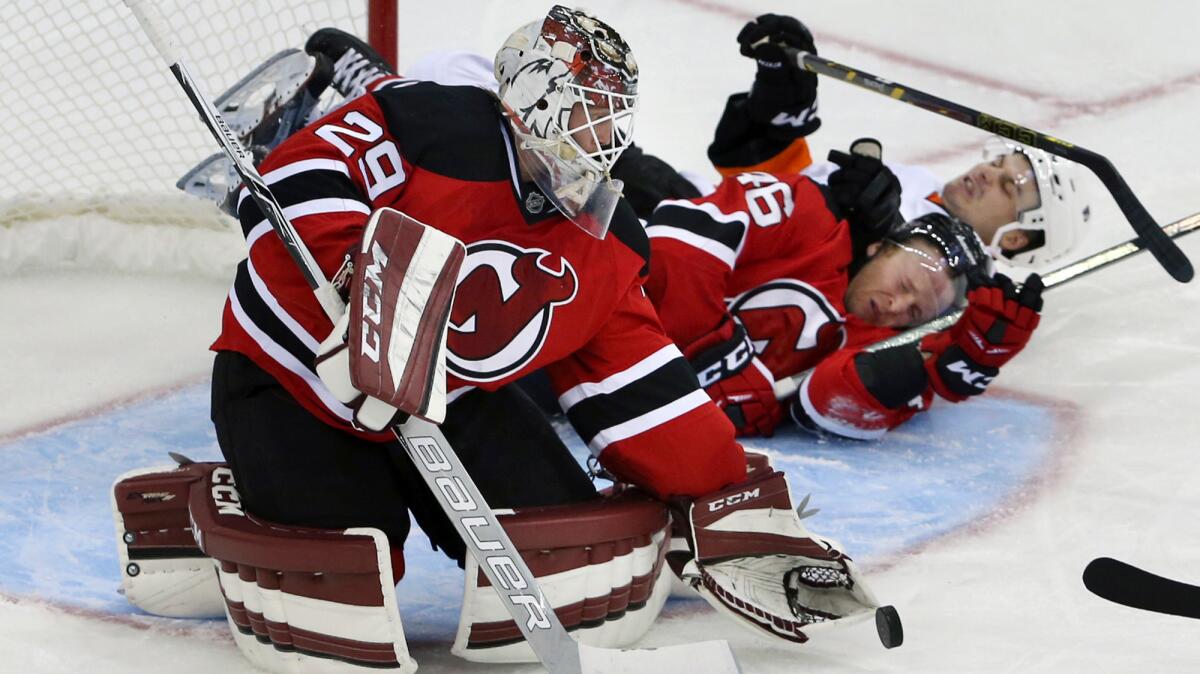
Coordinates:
[648,180]
[866,190]
[784,94]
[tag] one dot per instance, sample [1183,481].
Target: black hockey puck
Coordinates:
[887,622]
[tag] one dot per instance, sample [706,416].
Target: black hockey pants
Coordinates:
[292,468]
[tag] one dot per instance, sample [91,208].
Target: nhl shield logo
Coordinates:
[503,308]
[535,202]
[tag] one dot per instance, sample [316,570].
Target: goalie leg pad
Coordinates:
[300,600]
[599,564]
[163,570]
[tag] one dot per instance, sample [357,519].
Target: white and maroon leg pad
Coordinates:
[163,570]
[300,600]
[599,564]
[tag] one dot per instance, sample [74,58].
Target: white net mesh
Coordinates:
[93,121]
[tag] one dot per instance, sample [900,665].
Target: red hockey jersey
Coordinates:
[535,291]
[768,250]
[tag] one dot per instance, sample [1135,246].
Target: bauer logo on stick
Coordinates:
[482,532]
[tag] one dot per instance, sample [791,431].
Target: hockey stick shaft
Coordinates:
[788,385]
[1130,586]
[424,442]
[1164,250]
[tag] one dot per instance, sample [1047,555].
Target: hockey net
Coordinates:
[96,132]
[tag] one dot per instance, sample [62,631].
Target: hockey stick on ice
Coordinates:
[437,462]
[788,385]
[1130,586]
[1164,250]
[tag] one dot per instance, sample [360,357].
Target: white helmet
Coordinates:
[1063,209]
[546,69]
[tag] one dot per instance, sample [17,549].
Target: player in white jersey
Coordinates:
[1010,198]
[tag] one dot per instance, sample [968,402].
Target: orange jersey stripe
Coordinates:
[793,159]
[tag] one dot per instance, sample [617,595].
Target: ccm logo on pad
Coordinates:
[735,499]
[225,494]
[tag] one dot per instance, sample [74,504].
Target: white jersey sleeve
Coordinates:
[454,68]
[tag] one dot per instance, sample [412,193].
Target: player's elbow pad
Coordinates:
[860,395]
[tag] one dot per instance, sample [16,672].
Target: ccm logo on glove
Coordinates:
[373,302]
[729,364]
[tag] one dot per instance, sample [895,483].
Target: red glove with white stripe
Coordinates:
[998,322]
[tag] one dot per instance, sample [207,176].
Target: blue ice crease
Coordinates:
[938,472]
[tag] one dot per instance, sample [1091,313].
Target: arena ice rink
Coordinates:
[975,522]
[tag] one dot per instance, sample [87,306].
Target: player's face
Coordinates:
[591,137]
[992,194]
[903,284]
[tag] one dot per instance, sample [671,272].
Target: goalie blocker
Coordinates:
[386,356]
[318,600]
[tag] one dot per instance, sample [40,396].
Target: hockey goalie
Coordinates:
[498,219]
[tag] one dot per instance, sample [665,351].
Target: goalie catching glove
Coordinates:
[996,325]
[754,560]
[386,356]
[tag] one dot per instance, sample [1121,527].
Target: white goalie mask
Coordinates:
[1064,206]
[568,83]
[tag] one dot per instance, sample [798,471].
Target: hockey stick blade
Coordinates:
[1130,586]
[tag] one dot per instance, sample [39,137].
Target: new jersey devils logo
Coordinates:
[791,323]
[503,308]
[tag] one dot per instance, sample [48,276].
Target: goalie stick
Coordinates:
[1164,250]
[1130,586]
[432,454]
[788,385]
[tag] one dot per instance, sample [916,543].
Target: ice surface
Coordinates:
[1088,451]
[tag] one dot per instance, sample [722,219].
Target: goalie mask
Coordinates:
[1054,224]
[568,84]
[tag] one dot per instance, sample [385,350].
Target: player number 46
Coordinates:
[769,201]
